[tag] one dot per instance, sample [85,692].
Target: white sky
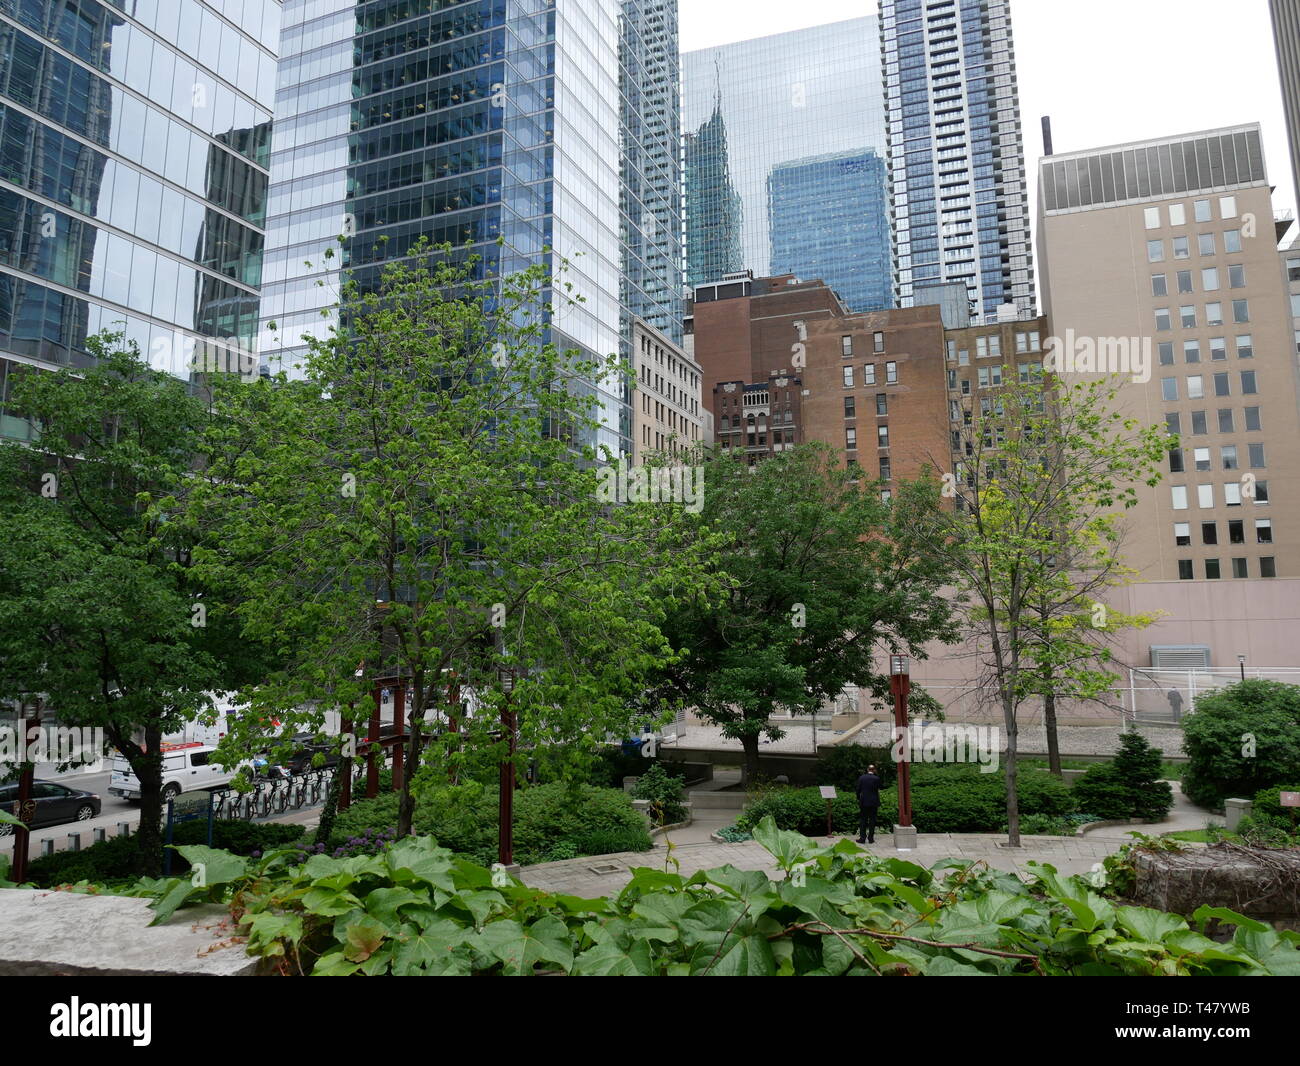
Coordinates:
[1107,71]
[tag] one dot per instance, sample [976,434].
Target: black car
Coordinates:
[53,804]
[306,747]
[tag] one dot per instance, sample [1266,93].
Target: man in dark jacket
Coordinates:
[868,805]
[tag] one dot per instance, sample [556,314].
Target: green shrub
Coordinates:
[845,763]
[664,793]
[614,764]
[1128,786]
[463,818]
[804,811]
[1268,801]
[1220,763]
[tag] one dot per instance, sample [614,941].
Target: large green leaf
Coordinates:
[521,947]
[213,867]
[1147,924]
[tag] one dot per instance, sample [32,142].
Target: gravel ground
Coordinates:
[1074,740]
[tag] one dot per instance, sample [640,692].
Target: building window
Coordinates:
[1263,531]
[1182,248]
[1239,568]
[1185,281]
[848,377]
[886,470]
[1195,387]
[1236,531]
[1198,424]
[1155,251]
[846,346]
[1209,279]
[1214,313]
[1169,389]
[1191,351]
[1232,240]
[1177,215]
[1245,346]
[1218,349]
[1187,316]
[1256,452]
[1205,243]
[1212,569]
[1173,423]
[850,437]
[869,374]
[1252,419]
[952,351]
[1205,497]
[1175,460]
[1237,276]
[1209,533]
[849,407]
[1231,493]
[1201,457]
[891,373]
[1261,492]
[1185,570]
[1221,387]
[1241,310]
[878,342]
[1228,453]
[1159,287]
[1225,420]
[1182,534]
[1267,567]
[1178,496]
[882,403]
[882,434]
[1152,217]
[1227,207]
[963,357]
[1248,383]
[1162,318]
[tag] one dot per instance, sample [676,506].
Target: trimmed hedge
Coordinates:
[115,858]
[554,821]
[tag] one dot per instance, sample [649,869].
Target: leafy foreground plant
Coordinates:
[417,909]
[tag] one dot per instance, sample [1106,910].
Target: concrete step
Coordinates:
[724,801]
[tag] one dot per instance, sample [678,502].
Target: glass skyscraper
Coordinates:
[550,126]
[759,119]
[828,218]
[960,207]
[134,143]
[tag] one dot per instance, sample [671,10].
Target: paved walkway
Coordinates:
[606,874]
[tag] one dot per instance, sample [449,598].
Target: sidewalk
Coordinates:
[1069,855]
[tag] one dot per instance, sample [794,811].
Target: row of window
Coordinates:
[877,344]
[1236,532]
[1245,347]
[1227,421]
[1234,492]
[1213,314]
[1227,456]
[1184,279]
[1201,212]
[1196,385]
[869,374]
[1240,568]
[851,437]
[851,405]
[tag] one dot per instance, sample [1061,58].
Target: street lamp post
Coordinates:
[900,684]
[1241,662]
[505,813]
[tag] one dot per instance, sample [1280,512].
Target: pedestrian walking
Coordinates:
[868,805]
[1175,699]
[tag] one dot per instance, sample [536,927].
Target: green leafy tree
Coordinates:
[1036,534]
[421,498]
[101,614]
[824,581]
[1242,738]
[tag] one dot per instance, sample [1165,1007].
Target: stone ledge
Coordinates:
[45,933]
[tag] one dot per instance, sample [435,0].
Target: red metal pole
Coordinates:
[900,685]
[372,762]
[399,748]
[505,813]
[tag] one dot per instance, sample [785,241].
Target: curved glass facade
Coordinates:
[549,126]
[134,143]
[759,119]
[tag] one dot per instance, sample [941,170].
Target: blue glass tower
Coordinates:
[550,126]
[960,207]
[828,218]
[134,143]
[756,115]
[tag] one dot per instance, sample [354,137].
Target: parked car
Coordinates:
[306,748]
[186,768]
[55,804]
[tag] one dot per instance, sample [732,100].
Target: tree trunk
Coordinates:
[750,772]
[1013,800]
[331,809]
[147,767]
[1049,722]
[406,805]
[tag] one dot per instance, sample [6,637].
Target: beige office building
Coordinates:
[1169,247]
[667,413]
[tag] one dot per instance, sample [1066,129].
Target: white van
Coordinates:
[186,768]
